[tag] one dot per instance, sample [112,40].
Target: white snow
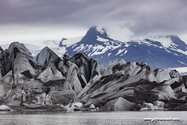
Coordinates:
[114,47]
[184,52]
[100,30]
[182,62]
[148,43]
[120,51]
[109,54]
[166,42]
[79,48]
[167,50]
[36,47]
[101,39]
[73,46]
[89,48]
[99,50]
[125,51]
[181,70]
[4,108]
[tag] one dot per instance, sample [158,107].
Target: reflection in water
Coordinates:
[93,118]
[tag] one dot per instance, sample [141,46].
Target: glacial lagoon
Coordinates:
[94,118]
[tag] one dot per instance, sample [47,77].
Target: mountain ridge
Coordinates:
[159,51]
[170,51]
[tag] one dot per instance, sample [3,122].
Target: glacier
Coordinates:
[81,83]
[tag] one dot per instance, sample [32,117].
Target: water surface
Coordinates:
[92,118]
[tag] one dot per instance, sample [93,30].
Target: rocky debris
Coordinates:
[80,83]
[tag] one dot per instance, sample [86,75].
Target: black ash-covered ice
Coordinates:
[76,83]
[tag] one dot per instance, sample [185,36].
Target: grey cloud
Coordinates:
[158,16]
[139,16]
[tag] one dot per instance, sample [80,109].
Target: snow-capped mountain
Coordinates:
[95,42]
[159,52]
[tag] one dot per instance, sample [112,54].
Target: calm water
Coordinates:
[93,118]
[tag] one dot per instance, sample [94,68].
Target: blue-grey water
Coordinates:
[94,118]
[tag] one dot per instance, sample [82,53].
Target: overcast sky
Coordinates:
[37,20]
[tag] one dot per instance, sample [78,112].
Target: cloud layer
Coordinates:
[122,18]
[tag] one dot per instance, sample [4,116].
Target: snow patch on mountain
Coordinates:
[101,39]
[79,48]
[99,49]
[100,30]
[181,51]
[120,51]
[165,41]
[182,62]
[109,54]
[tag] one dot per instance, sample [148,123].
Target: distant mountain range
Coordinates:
[159,52]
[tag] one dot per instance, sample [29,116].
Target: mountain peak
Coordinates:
[94,33]
[97,31]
